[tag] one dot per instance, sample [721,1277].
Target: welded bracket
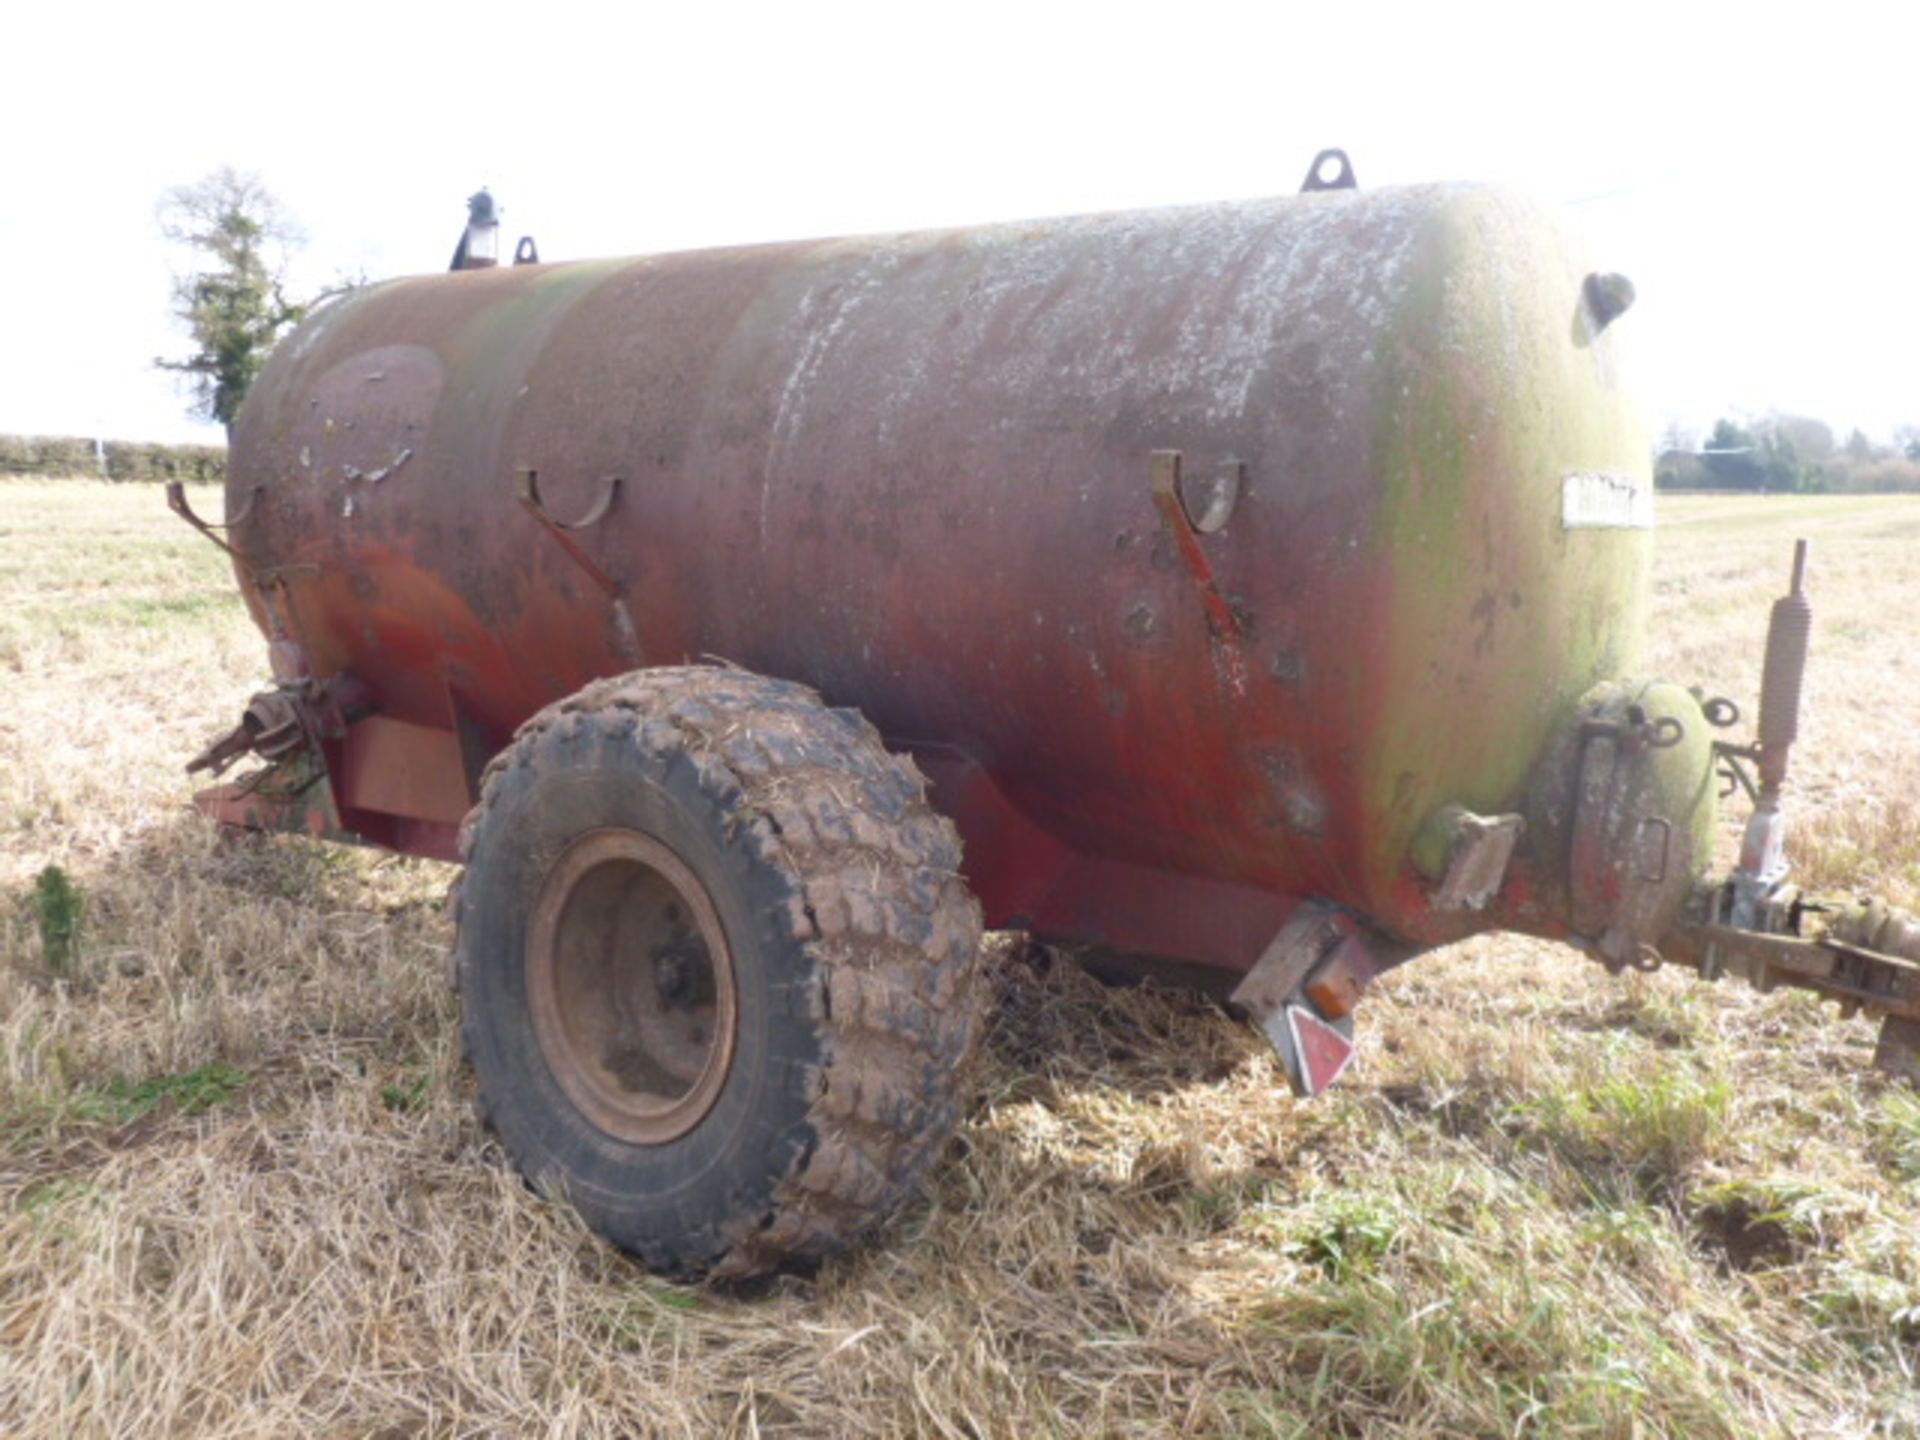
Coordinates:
[1479,849]
[1302,992]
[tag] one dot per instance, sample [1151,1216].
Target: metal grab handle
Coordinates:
[529,488]
[1165,476]
[529,491]
[177,502]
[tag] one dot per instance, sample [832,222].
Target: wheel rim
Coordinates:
[630,984]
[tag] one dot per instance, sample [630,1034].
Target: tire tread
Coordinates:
[875,899]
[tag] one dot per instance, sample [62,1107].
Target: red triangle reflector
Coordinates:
[1322,1051]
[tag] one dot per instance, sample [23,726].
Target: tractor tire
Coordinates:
[717,965]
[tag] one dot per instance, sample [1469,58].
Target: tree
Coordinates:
[1729,436]
[1812,438]
[1780,466]
[1677,439]
[1793,451]
[1729,458]
[235,304]
[1778,452]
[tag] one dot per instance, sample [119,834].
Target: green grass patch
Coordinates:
[43,1197]
[408,1097]
[39,1114]
[128,612]
[1896,1132]
[57,909]
[1348,1234]
[188,1093]
[1649,1130]
[1480,1342]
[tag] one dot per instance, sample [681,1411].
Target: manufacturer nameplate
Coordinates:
[1597,500]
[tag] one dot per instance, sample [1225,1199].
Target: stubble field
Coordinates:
[242,1192]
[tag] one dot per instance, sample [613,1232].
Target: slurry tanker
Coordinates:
[1254,593]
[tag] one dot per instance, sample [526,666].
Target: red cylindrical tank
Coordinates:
[918,473]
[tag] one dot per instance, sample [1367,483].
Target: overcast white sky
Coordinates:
[1754,168]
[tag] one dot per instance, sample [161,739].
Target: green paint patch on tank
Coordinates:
[1497,386]
[500,342]
[528,306]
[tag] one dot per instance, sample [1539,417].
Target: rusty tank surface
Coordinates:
[1252,592]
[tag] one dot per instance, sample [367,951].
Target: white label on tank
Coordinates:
[1596,500]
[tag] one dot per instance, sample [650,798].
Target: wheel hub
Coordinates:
[630,986]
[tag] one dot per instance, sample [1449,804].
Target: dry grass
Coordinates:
[241,1192]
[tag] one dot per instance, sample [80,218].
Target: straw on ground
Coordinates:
[241,1192]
